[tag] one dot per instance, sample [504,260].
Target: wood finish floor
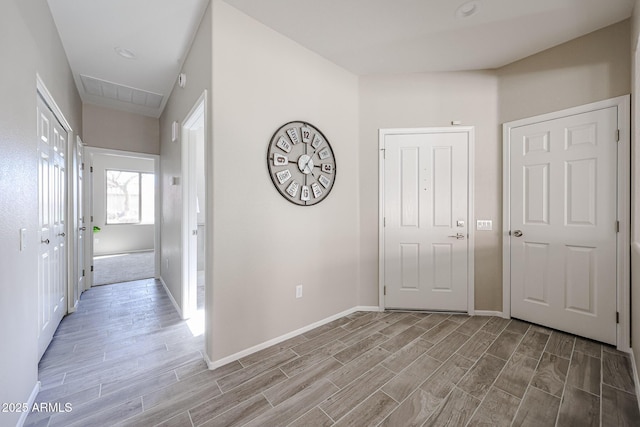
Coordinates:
[125,358]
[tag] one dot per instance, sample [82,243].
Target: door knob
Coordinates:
[46,241]
[82,228]
[62,234]
[517,233]
[458,236]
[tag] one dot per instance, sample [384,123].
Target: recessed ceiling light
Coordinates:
[125,53]
[468,9]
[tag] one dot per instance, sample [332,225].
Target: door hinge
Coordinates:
[91,218]
[83,272]
[91,169]
[385,290]
[384,153]
[92,268]
[81,166]
[617,135]
[384,221]
[617,226]
[617,317]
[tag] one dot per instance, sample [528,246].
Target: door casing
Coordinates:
[470,130]
[624,203]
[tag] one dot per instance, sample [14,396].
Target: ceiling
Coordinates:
[363,36]
[158,32]
[404,36]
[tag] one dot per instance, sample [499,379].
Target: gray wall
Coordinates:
[423,100]
[264,245]
[117,130]
[29,43]
[197,67]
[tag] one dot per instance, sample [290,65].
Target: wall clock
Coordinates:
[301,163]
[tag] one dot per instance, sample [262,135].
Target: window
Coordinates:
[130,197]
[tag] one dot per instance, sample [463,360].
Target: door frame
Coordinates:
[89,152]
[624,207]
[470,131]
[189,248]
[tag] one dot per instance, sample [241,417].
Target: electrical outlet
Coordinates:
[484,225]
[299,291]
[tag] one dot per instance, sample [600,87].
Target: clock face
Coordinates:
[301,163]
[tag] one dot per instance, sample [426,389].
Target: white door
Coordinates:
[563,213]
[426,218]
[52,263]
[80,221]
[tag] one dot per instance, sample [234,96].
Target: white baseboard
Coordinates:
[239,355]
[30,402]
[489,313]
[636,378]
[173,301]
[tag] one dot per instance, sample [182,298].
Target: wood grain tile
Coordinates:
[579,408]
[495,325]
[407,355]
[588,347]
[408,380]
[301,363]
[551,374]
[504,345]
[538,409]
[496,410]
[472,325]
[518,327]
[481,376]
[240,414]
[272,351]
[432,320]
[440,331]
[358,349]
[354,369]
[292,409]
[288,388]
[584,373]
[352,395]
[402,339]
[560,344]
[399,326]
[180,420]
[211,408]
[447,376]
[370,412]
[313,418]
[236,378]
[617,371]
[319,341]
[533,343]
[619,408]
[476,346]
[516,375]
[456,410]
[445,348]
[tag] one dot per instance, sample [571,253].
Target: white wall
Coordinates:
[197,67]
[117,238]
[423,100]
[118,130]
[263,245]
[29,40]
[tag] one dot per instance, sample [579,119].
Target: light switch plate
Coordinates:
[484,225]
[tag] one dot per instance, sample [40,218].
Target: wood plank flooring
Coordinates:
[126,359]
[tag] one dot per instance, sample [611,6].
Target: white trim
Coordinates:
[188,284]
[239,355]
[48,99]
[624,192]
[30,402]
[489,313]
[470,130]
[173,301]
